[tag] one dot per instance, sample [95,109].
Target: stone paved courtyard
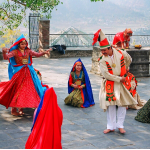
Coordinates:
[82,127]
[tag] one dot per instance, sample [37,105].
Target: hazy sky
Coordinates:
[82,14]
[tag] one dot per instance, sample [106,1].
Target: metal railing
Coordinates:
[85,40]
[74,40]
[144,40]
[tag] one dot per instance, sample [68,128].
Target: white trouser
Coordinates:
[111,117]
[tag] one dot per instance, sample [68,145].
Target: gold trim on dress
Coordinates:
[24,61]
[78,82]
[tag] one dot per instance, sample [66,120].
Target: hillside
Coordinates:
[90,16]
[141,6]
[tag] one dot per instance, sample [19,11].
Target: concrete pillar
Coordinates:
[44,31]
[95,63]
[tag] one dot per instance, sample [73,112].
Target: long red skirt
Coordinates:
[19,91]
[46,132]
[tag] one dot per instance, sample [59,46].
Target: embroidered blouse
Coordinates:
[16,53]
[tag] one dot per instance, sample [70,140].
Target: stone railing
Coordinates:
[80,52]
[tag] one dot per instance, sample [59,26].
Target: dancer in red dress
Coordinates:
[24,89]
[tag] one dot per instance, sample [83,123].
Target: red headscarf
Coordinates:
[78,62]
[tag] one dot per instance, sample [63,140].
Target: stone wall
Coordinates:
[71,53]
[95,63]
[140,62]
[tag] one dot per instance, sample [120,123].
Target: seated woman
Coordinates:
[79,87]
[135,94]
[143,114]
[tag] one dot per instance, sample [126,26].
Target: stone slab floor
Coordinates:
[82,127]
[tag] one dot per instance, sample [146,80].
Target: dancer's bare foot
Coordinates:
[122,130]
[21,111]
[15,113]
[107,131]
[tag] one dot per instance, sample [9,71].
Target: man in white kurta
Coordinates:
[113,66]
[123,96]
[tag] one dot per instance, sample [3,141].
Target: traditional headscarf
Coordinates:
[15,45]
[87,91]
[78,62]
[128,30]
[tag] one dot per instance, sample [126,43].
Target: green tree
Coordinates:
[12,12]
[9,37]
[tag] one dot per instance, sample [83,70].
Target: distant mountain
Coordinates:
[142,6]
[111,15]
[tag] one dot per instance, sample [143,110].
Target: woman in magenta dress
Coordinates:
[24,89]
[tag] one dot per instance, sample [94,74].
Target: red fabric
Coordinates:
[104,42]
[82,95]
[9,55]
[119,38]
[19,91]
[96,35]
[36,54]
[46,133]
[78,62]
[70,80]
[109,86]
[44,85]
[131,77]
[123,67]
[22,39]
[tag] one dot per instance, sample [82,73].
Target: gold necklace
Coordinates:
[113,64]
[22,50]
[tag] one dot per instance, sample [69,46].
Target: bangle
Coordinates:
[83,86]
